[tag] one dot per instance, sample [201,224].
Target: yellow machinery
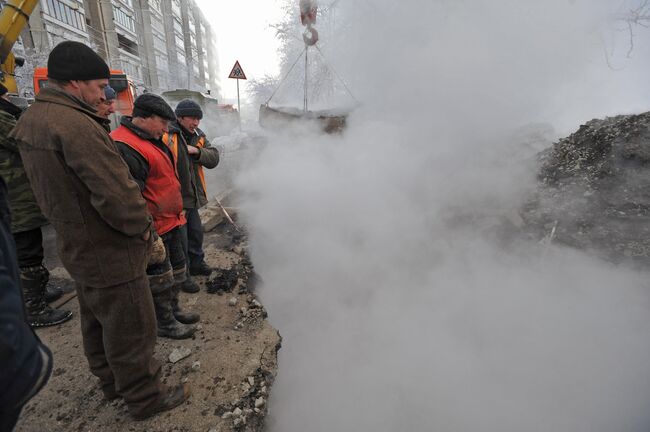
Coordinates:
[13,18]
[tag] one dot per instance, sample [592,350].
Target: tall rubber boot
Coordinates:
[184,317]
[168,326]
[39,313]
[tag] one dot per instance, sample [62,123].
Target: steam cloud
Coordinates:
[400,303]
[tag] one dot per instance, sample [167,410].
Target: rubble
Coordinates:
[179,354]
[594,190]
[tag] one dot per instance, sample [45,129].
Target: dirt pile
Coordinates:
[594,190]
[230,363]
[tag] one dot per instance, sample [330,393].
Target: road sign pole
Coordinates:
[237,73]
[238,105]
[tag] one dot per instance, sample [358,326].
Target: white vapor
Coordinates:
[401,305]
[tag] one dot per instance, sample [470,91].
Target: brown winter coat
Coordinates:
[84,189]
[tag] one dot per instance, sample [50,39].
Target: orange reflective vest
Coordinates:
[174,148]
[162,190]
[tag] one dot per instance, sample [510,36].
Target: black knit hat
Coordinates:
[150,103]
[71,60]
[189,108]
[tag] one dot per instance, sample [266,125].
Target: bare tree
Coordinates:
[636,17]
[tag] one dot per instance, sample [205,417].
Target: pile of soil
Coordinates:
[594,190]
[230,363]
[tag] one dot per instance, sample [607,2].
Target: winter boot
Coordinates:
[173,397]
[200,269]
[39,314]
[52,293]
[168,326]
[189,286]
[182,316]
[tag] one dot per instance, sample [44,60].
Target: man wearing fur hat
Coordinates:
[84,189]
[153,166]
[194,153]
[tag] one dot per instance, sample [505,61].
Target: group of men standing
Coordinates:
[124,206]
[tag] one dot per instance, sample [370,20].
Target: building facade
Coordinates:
[160,44]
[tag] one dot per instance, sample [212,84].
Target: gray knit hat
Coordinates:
[188,108]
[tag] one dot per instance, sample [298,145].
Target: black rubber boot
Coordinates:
[39,313]
[184,317]
[168,325]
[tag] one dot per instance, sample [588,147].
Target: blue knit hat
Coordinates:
[109,93]
[188,108]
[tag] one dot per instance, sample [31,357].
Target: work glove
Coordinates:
[158,251]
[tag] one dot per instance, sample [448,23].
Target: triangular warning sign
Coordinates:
[237,72]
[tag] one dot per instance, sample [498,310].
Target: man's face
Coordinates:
[155,125]
[189,123]
[92,91]
[106,108]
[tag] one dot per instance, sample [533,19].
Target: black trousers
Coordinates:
[194,236]
[29,246]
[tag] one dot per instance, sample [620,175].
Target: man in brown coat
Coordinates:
[103,228]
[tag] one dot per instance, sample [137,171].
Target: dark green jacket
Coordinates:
[190,167]
[25,213]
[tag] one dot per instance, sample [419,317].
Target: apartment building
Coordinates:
[160,44]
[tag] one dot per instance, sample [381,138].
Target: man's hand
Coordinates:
[192,150]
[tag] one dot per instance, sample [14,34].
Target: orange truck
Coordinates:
[126,92]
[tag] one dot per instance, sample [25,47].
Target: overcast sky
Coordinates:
[243,33]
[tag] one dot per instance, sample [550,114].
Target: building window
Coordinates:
[176,7]
[178,27]
[124,19]
[127,45]
[179,42]
[157,25]
[66,14]
[159,43]
[155,5]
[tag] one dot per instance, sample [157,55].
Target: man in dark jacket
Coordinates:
[84,189]
[25,363]
[153,166]
[194,153]
[26,223]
